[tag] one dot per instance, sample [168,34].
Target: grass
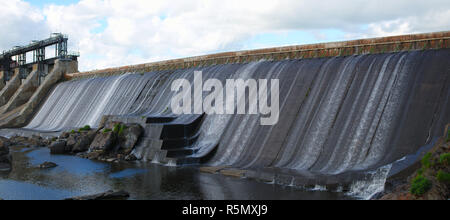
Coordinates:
[443,176]
[106,130]
[426,160]
[420,185]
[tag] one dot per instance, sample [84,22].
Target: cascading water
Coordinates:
[340,114]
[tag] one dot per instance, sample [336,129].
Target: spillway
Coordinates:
[337,114]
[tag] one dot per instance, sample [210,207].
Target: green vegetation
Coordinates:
[444,159]
[122,127]
[116,128]
[420,185]
[106,130]
[85,128]
[426,160]
[443,176]
[72,131]
[420,171]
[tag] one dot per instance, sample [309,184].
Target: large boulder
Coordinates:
[72,140]
[129,137]
[82,144]
[103,141]
[36,140]
[59,147]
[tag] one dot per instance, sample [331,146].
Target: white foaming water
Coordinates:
[319,188]
[105,100]
[373,184]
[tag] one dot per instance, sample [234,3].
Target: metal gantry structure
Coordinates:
[19,53]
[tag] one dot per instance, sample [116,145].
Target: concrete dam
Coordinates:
[345,108]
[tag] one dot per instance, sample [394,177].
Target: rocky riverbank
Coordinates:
[431,181]
[112,142]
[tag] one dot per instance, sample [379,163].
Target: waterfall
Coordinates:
[354,113]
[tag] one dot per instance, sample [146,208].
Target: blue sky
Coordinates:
[116,32]
[42,3]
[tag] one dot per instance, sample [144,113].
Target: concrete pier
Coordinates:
[21,114]
[10,88]
[24,92]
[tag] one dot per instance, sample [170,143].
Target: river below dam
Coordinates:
[75,176]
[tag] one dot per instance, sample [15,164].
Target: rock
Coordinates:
[4,142]
[110,160]
[4,150]
[129,137]
[104,119]
[64,135]
[130,157]
[109,195]
[47,165]
[103,141]
[5,162]
[72,140]
[5,157]
[94,155]
[19,140]
[47,142]
[31,141]
[82,144]
[59,147]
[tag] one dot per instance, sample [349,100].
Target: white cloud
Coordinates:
[116,32]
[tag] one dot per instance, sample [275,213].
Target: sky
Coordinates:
[111,33]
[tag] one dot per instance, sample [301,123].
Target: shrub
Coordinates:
[444,159]
[116,128]
[420,171]
[443,176]
[106,130]
[85,128]
[426,160]
[72,131]
[420,185]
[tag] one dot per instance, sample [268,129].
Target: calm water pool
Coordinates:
[77,176]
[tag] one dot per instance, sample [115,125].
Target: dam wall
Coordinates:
[337,114]
[345,107]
